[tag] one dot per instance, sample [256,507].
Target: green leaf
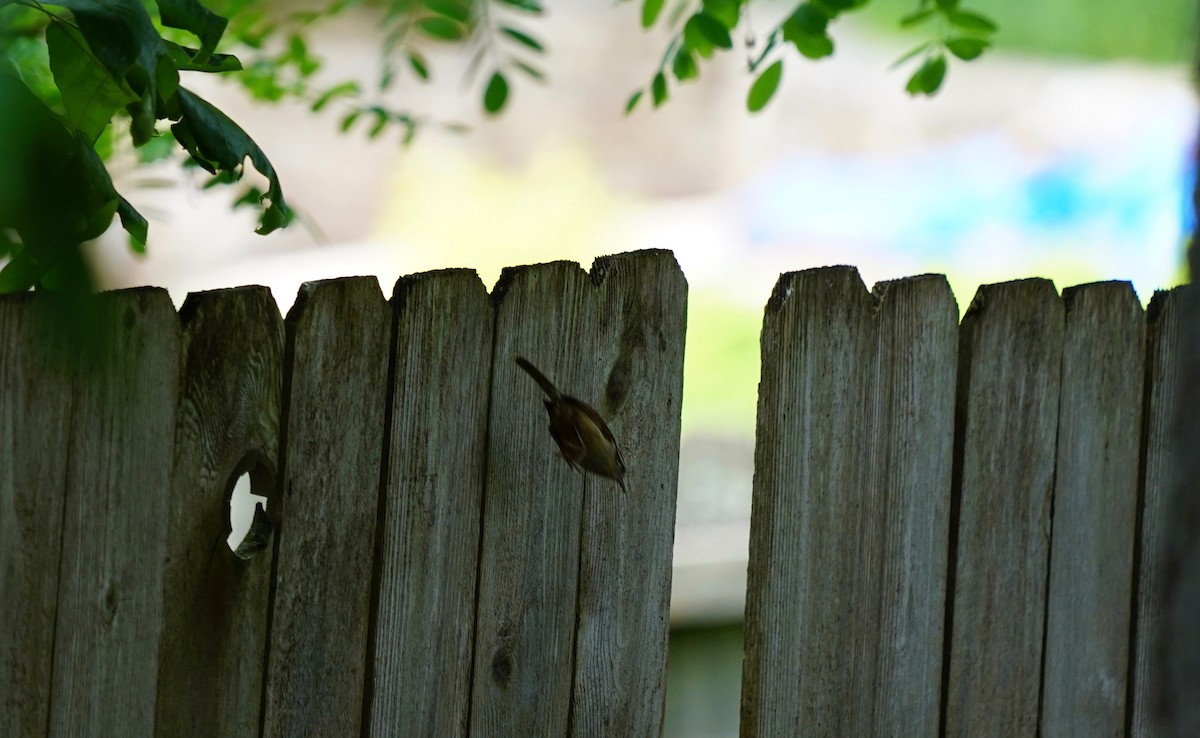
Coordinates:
[187,59]
[349,120]
[704,26]
[134,224]
[764,87]
[658,89]
[807,20]
[529,6]
[297,47]
[814,47]
[650,12]
[345,89]
[21,273]
[441,28]
[529,69]
[55,192]
[157,148]
[28,60]
[698,43]
[122,37]
[495,95]
[89,92]
[684,66]
[725,11]
[191,16]
[410,133]
[947,4]
[928,78]
[913,52]
[220,146]
[967,48]
[634,99]
[381,121]
[917,18]
[967,21]
[523,38]
[452,9]
[418,64]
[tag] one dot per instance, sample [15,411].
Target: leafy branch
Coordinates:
[104,60]
[710,27]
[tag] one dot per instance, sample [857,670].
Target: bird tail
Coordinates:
[546,385]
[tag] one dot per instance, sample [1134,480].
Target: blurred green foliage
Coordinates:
[720,365]
[1154,31]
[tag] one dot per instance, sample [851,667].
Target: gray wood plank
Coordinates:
[529,555]
[810,617]
[215,603]
[626,545]
[1010,355]
[115,519]
[916,378]
[1163,392]
[35,419]
[429,528]
[1180,644]
[839,637]
[530,561]
[1095,511]
[335,377]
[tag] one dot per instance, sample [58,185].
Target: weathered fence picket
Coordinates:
[1162,397]
[957,529]
[851,493]
[33,470]
[118,468]
[215,604]
[918,359]
[626,540]
[1010,358]
[429,516]
[529,556]
[575,576]
[1095,512]
[335,391]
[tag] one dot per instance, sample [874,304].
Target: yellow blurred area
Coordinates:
[465,211]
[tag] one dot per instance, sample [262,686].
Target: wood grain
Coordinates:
[1095,512]
[118,481]
[1180,638]
[529,556]
[429,526]
[1164,387]
[215,604]
[622,621]
[1010,354]
[36,384]
[815,553]
[914,444]
[852,484]
[338,334]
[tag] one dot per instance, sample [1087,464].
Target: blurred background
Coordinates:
[1063,153]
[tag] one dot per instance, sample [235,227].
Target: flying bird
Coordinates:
[582,435]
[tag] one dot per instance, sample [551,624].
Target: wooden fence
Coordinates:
[955,527]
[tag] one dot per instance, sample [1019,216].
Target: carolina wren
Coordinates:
[582,435]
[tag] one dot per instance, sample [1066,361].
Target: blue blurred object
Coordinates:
[1118,203]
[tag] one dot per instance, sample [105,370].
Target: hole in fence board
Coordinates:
[246,519]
